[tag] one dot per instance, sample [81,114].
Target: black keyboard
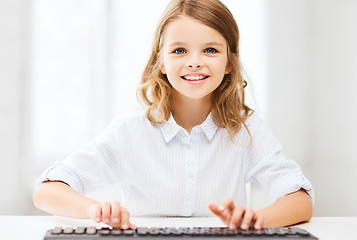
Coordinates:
[142,233]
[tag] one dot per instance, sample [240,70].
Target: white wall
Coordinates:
[335,107]
[14,37]
[312,96]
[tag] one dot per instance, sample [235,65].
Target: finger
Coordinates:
[106,212]
[247,219]
[219,213]
[259,221]
[227,206]
[115,216]
[214,208]
[237,216]
[124,218]
[96,213]
[132,226]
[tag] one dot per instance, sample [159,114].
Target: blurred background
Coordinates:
[67,67]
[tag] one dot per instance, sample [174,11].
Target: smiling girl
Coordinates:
[195,147]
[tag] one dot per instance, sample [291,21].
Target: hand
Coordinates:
[233,216]
[112,214]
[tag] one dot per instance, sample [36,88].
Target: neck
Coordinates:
[189,112]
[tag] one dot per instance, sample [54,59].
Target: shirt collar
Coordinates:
[170,129]
[209,127]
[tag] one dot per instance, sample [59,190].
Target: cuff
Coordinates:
[62,173]
[289,184]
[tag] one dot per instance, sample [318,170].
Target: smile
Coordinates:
[194,77]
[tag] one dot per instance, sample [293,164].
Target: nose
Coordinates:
[193,66]
[194,62]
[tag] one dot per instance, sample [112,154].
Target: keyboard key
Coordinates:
[68,230]
[116,232]
[80,230]
[154,231]
[166,232]
[177,233]
[91,230]
[281,231]
[57,230]
[142,231]
[104,231]
[128,232]
[269,231]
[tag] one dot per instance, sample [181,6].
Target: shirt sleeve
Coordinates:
[267,166]
[90,167]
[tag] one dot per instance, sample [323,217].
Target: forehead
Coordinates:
[190,31]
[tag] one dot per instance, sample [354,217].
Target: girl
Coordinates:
[196,145]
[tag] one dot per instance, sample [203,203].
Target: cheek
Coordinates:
[168,69]
[171,67]
[220,67]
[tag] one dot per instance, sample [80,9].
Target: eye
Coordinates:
[210,50]
[179,51]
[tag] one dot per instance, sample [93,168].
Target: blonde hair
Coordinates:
[228,104]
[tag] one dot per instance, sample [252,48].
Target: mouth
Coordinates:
[194,77]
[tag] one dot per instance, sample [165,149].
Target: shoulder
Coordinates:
[260,135]
[254,130]
[123,125]
[134,119]
[252,124]
[258,126]
[255,120]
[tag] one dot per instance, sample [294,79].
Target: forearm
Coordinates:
[291,209]
[59,199]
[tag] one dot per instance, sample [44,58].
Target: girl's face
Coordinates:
[194,58]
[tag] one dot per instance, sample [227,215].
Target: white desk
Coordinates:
[34,227]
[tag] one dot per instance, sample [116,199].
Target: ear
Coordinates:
[228,68]
[163,70]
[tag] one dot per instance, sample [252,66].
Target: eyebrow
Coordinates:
[214,43]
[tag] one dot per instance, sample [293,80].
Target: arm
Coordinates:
[60,199]
[291,209]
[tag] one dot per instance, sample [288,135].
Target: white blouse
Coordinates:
[161,170]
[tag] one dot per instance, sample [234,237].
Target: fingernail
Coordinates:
[124,226]
[115,220]
[221,208]
[244,226]
[106,220]
[232,226]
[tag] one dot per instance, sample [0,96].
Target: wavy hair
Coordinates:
[228,103]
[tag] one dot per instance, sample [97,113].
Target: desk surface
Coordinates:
[34,227]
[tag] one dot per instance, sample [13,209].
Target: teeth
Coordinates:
[193,78]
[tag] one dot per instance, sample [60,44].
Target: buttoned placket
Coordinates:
[190,158]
